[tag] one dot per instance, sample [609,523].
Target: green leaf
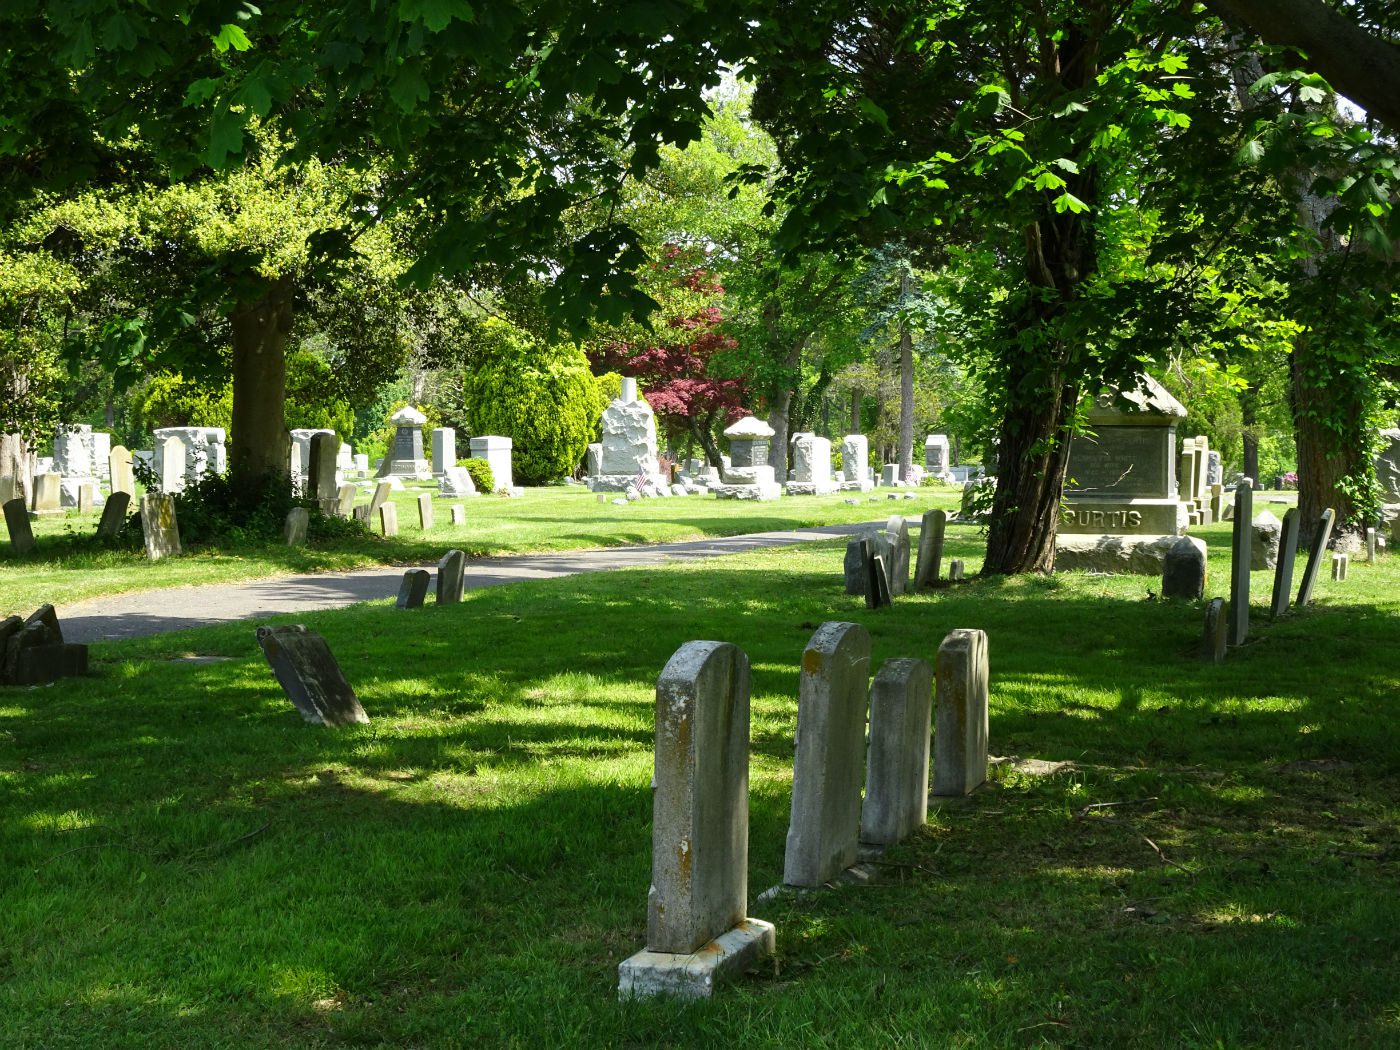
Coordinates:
[225,137]
[1065,164]
[255,95]
[1252,152]
[435,14]
[1308,93]
[118,33]
[233,36]
[201,91]
[409,88]
[1069,202]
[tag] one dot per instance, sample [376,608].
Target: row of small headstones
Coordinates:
[877,562]
[698,929]
[21,531]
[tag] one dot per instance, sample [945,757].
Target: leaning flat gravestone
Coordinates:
[294,529]
[697,932]
[109,526]
[159,525]
[857,551]
[960,720]
[425,512]
[897,558]
[1184,570]
[310,677]
[1213,640]
[877,581]
[17,523]
[1240,562]
[389,519]
[931,534]
[1283,568]
[451,575]
[1322,535]
[345,501]
[896,780]
[413,589]
[828,768]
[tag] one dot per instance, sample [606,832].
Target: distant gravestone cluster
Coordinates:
[877,562]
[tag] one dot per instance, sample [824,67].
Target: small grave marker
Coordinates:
[1215,636]
[1322,535]
[310,676]
[896,780]
[1339,567]
[113,519]
[159,525]
[960,718]
[413,589]
[298,520]
[17,522]
[425,512]
[389,519]
[459,514]
[451,577]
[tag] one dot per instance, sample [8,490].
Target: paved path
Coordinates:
[179,608]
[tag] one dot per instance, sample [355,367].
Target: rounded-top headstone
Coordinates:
[749,427]
[1184,569]
[408,416]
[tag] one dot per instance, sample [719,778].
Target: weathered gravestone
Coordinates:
[858,553]
[896,780]
[894,545]
[1263,549]
[889,475]
[455,483]
[159,526]
[425,512]
[1184,569]
[496,450]
[628,448]
[877,579]
[828,767]
[1371,545]
[405,455]
[459,514]
[697,931]
[87,496]
[321,464]
[17,523]
[1339,567]
[748,475]
[8,489]
[1322,535]
[955,570]
[960,715]
[444,450]
[811,466]
[48,490]
[855,470]
[310,676]
[389,519]
[1240,562]
[451,577]
[33,652]
[170,464]
[1283,568]
[119,473]
[414,589]
[113,519]
[294,529]
[931,535]
[1216,635]
[936,457]
[344,501]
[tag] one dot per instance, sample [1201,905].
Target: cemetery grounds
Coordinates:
[1180,853]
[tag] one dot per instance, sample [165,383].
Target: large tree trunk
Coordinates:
[703,431]
[259,443]
[906,388]
[17,461]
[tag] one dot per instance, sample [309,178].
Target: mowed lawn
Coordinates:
[187,864]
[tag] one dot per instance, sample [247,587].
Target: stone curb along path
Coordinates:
[145,613]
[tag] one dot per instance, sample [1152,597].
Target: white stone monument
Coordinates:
[496,451]
[855,472]
[628,454]
[936,456]
[204,449]
[811,466]
[748,474]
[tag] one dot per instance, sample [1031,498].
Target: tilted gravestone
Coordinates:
[425,512]
[310,676]
[389,519]
[1240,543]
[858,550]
[1184,570]
[159,525]
[294,529]
[344,501]
[1283,568]
[960,718]
[896,551]
[877,580]
[931,535]
[369,513]
[896,778]
[1322,535]
[1216,633]
[17,523]
[451,577]
[828,766]
[697,932]
[413,589]
[113,519]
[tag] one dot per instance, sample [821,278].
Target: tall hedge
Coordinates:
[543,398]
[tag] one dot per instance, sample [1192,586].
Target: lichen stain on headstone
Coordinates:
[812,661]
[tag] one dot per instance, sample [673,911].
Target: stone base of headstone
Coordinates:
[810,488]
[857,486]
[694,975]
[755,492]
[1129,555]
[623,482]
[41,664]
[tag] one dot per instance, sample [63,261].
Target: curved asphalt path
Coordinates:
[145,613]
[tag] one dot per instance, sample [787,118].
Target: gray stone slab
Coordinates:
[856,566]
[828,767]
[159,525]
[48,493]
[1322,535]
[877,587]
[444,449]
[896,778]
[18,525]
[897,560]
[414,589]
[932,532]
[344,501]
[41,664]
[113,519]
[459,514]
[1371,545]
[1241,541]
[1263,548]
[1216,632]
[1283,567]
[451,577]
[1339,567]
[1184,569]
[700,808]
[425,512]
[960,717]
[955,570]
[320,467]
[695,975]
[389,519]
[294,529]
[382,490]
[310,676]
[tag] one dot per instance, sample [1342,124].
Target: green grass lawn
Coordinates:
[69,565]
[187,864]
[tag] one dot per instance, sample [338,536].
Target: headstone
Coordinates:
[73,452]
[1371,545]
[451,577]
[310,676]
[628,449]
[382,489]
[294,531]
[33,652]
[344,501]
[960,715]
[444,450]
[203,450]
[296,467]
[748,474]
[1217,502]
[170,454]
[1283,569]
[321,465]
[811,466]
[697,932]
[413,589]
[1339,567]
[405,456]
[897,559]
[896,779]
[119,473]
[47,488]
[425,512]
[1214,474]
[17,523]
[8,488]
[828,767]
[855,451]
[159,525]
[345,458]
[1122,506]
[889,475]
[877,587]
[955,570]
[1387,464]
[388,519]
[1240,562]
[496,451]
[113,519]
[459,514]
[593,459]
[1184,569]
[858,549]
[1263,549]
[87,496]
[361,463]
[936,457]
[1216,634]
[931,536]
[1322,535]
[455,483]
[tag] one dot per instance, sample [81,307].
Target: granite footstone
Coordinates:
[960,713]
[414,589]
[1184,569]
[451,577]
